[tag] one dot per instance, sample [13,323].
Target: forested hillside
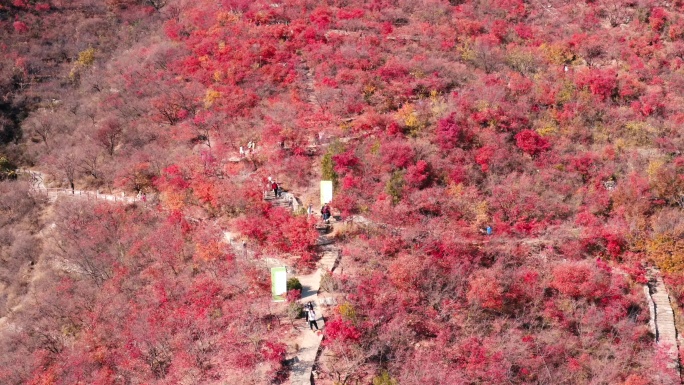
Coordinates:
[557,124]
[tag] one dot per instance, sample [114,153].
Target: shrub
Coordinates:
[395,186]
[667,252]
[294,295]
[580,279]
[485,291]
[451,133]
[602,83]
[419,175]
[7,169]
[347,311]
[294,311]
[384,379]
[344,331]
[293,284]
[531,142]
[328,168]
[328,282]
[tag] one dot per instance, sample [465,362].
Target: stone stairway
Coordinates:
[329,258]
[329,253]
[285,200]
[664,322]
[309,342]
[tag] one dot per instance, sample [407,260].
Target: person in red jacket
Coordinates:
[325,212]
[275,188]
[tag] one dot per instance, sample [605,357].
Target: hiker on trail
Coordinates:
[309,210]
[489,230]
[275,188]
[242,152]
[311,317]
[325,212]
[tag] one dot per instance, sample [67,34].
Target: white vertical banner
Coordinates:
[278,283]
[326,191]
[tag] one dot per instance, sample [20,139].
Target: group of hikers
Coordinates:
[141,196]
[326,212]
[251,147]
[275,187]
[309,313]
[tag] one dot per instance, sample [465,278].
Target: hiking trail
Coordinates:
[662,322]
[37,180]
[308,343]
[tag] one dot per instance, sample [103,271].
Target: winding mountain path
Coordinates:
[38,178]
[308,343]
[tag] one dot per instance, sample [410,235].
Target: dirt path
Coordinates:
[309,89]
[38,178]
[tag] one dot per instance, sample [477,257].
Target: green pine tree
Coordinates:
[328,168]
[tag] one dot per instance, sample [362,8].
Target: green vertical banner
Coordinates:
[278,283]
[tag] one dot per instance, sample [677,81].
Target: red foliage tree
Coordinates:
[531,142]
[601,83]
[451,133]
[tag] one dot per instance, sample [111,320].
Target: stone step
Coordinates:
[270,193]
[322,231]
[271,199]
[279,202]
[327,301]
[328,259]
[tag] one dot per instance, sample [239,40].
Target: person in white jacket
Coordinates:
[311,317]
